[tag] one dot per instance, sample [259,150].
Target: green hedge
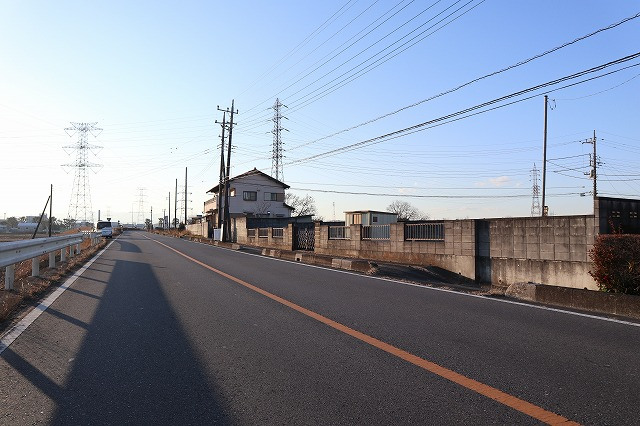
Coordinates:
[616,263]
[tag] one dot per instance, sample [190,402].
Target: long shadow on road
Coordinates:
[136,365]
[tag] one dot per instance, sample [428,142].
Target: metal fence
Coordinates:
[424,231]
[339,233]
[376,232]
[14,252]
[277,232]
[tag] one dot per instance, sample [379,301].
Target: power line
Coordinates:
[456,116]
[377,194]
[475,80]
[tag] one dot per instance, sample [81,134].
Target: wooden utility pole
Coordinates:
[175,206]
[545,209]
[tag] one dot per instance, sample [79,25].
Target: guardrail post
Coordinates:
[52,259]
[9,276]
[70,252]
[63,254]
[77,248]
[35,266]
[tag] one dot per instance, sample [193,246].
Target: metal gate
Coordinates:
[304,237]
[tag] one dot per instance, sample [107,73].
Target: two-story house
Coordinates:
[254,194]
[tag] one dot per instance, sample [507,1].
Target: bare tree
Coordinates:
[406,211]
[303,206]
[262,208]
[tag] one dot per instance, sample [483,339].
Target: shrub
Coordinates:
[616,263]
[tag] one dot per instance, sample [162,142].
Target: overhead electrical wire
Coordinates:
[359,73]
[475,80]
[457,115]
[377,194]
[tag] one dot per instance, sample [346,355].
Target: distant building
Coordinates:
[369,217]
[251,194]
[27,226]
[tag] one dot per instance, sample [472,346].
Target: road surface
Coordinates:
[159,330]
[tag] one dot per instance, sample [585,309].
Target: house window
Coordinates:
[249,195]
[232,192]
[357,219]
[374,219]
[274,196]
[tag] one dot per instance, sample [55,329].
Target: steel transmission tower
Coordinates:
[80,205]
[276,151]
[535,191]
[141,211]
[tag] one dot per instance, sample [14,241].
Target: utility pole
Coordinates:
[175,206]
[594,165]
[152,218]
[222,172]
[226,232]
[50,209]
[169,210]
[226,188]
[185,196]
[545,209]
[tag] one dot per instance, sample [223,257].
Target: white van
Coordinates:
[105,228]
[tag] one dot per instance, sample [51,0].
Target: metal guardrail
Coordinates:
[17,251]
[424,231]
[339,232]
[376,232]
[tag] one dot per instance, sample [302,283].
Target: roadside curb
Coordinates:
[587,300]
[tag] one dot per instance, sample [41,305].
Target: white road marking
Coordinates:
[512,302]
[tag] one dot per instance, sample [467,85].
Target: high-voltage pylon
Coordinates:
[141,212]
[276,150]
[535,191]
[80,205]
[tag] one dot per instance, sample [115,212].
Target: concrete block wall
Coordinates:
[198,229]
[551,250]
[279,243]
[456,253]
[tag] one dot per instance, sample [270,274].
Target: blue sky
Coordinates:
[152,74]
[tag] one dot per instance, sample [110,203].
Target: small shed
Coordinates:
[369,217]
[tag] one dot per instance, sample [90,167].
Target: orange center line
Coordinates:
[511,401]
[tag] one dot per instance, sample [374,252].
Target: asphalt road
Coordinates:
[165,331]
